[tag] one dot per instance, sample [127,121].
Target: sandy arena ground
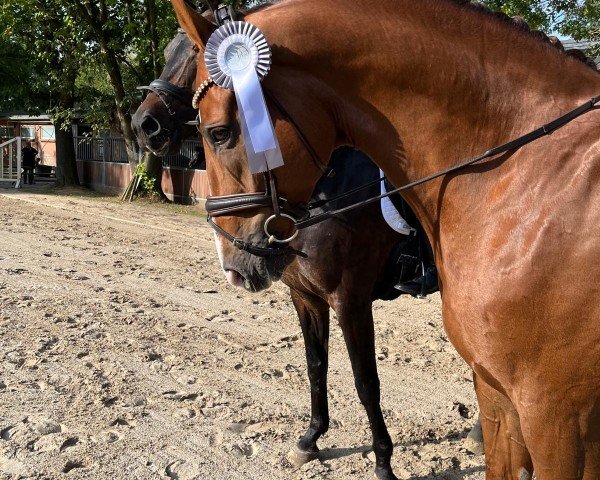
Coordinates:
[125,355]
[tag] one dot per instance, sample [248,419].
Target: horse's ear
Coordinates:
[198,28]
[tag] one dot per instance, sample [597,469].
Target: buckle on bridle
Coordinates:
[272,238]
[224,13]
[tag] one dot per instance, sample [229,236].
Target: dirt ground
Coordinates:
[124,354]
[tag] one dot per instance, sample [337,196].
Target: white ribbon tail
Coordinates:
[257,128]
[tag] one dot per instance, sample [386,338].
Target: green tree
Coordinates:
[127,38]
[84,53]
[42,69]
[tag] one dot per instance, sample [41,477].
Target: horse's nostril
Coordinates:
[150,126]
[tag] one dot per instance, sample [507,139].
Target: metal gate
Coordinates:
[10,161]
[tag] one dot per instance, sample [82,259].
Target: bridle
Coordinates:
[162,89]
[226,205]
[300,214]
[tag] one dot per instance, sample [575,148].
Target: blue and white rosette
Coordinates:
[238,56]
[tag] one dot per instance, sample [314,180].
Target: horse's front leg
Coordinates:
[313,313]
[356,320]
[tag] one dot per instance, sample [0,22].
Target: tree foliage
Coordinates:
[577,19]
[126,39]
[41,39]
[35,66]
[62,56]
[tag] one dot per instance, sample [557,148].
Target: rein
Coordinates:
[300,215]
[542,131]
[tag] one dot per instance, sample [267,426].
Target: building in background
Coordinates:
[36,128]
[584,46]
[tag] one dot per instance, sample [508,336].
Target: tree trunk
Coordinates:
[95,18]
[154,169]
[66,163]
[150,10]
[123,113]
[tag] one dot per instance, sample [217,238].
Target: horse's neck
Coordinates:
[420,86]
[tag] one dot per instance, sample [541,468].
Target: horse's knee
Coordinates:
[556,447]
[368,391]
[506,453]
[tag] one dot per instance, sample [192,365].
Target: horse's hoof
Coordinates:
[385,475]
[474,440]
[298,457]
[474,447]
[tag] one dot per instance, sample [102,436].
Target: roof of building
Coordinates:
[581,45]
[24,117]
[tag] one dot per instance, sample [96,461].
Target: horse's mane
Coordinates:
[519,24]
[522,27]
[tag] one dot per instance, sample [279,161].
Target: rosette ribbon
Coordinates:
[238,56]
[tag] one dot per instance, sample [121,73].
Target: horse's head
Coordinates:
[227,164]
[160,121]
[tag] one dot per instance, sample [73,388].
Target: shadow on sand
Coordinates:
[451,474]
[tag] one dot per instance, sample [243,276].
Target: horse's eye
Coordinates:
[220,135]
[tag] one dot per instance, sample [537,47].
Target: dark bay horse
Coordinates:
[350,262]
[420,86]
[161,122]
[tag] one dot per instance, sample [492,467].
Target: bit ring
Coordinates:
[272,237]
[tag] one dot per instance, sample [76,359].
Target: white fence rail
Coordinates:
[10,161]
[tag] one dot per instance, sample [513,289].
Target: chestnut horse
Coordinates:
[419,86]
[352,260]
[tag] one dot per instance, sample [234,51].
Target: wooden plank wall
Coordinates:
[180,185]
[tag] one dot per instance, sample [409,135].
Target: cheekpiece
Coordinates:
[233,47]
